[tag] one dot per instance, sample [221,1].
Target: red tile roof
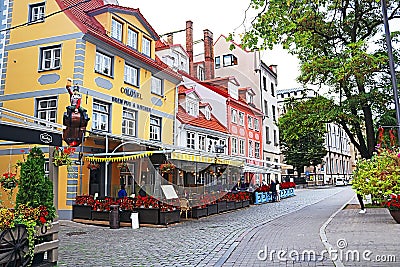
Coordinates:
[79,13]
[200,121]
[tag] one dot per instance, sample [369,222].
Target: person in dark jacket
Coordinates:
[273,190]
[122,192]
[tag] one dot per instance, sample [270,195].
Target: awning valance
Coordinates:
[259,169]
[119,159]
[205,159]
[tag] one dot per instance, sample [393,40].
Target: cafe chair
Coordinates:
[184,203]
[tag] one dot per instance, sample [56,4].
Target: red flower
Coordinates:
[42,219]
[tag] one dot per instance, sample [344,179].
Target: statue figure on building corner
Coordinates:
[76,118]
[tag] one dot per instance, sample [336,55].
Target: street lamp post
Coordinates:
[391,65]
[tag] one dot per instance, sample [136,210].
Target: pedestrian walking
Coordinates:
[273,190]
[278,196]
[360,199]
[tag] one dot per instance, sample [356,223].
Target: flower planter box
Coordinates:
[81,212]
[230,205]
[198,212]
[149,215]
[100,215]
[238,204]
[396,215]
[246,203]
[167,217]
[212,209]
[125,216]
[221,206]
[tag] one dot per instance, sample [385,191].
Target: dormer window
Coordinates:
[132,38]
[192,107]
[116,30]
[207,113]
[249,98]
[146,46]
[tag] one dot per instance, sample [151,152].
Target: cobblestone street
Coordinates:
[208,241]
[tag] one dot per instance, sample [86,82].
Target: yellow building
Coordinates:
[109,52]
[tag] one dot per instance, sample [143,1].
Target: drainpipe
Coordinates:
[106,171]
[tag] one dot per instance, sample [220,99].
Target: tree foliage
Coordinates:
[302,133]
[340,44]
[35,189]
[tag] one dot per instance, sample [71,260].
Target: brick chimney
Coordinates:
[208,55]
[189,45]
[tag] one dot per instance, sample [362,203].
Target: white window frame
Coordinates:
[257,150]
[132,38]
[201,74]
[100,117]
[157,86]
[256,125]
[37,12]
[129,122]
[192,107]
[155,128]
[50,56]
[233,115]
[241,118]
[146,46]
[250,122]
[131,75]
[242,146]
[46,109]
[116,29]
[207,113]
[251,149]
[191,140]
[234,145]
[202,142]
[103,64]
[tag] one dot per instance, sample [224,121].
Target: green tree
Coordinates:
[302,134]
[35,189]
[341,45]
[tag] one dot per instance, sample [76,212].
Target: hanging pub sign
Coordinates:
[29,135]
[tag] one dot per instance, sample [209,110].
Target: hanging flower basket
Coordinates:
[167,167]
[62,156]
[123,167]
[9,181]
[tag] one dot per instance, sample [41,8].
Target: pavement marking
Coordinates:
[238,237]
[324,238]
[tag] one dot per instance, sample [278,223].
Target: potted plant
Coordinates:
[148,208]
[83,207]
[34,200]
[378,176]
[62,156]
[9,182]
[169,212]
[126,206]
[394,206]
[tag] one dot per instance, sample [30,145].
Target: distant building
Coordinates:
[338,161]
[251,72]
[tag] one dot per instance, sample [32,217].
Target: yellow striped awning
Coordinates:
[205,159]
[119,159]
